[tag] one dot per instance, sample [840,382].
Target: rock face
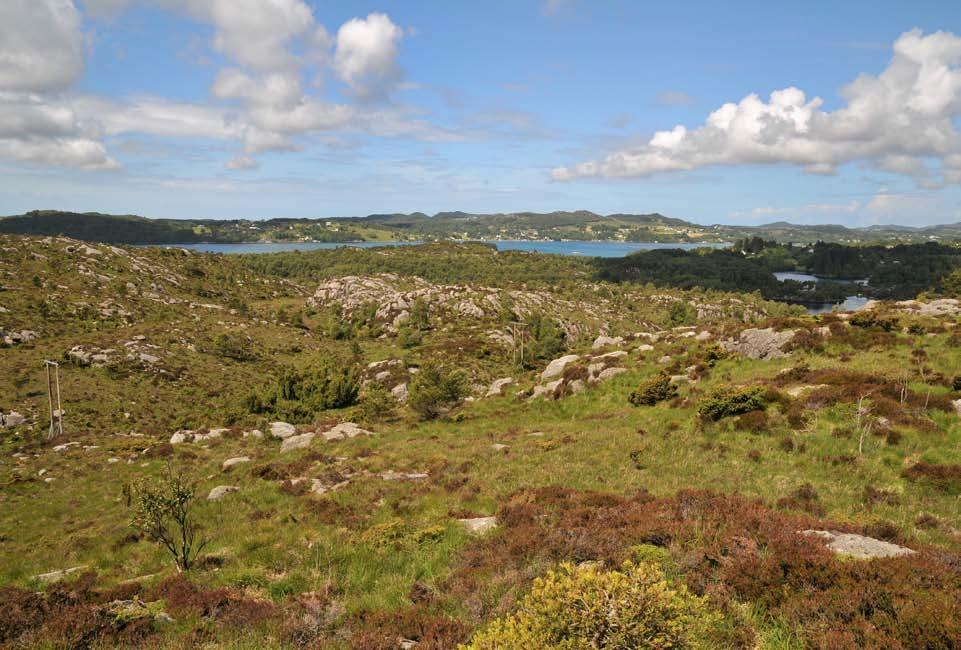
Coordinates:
[400,393]
[282,430]
[54,576]
[303,441]
[606,341]
[556,367]
[11,419]
[760,344]
[498,385]
[232,462]
[479,525]
[221,491]
[609,373]
[16,338]
[859,546]
[345,430]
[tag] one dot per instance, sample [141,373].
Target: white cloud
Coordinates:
[41,55]
[259,102]
[41,47]
[242,163]
[365,58]
[890,120]
[256,33]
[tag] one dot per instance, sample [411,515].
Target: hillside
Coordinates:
[388,447]
[579,225]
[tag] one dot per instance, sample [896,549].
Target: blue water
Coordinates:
[587,248]
[851,303]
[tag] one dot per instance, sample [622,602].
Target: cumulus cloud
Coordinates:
[366,55]
[41,47]
[41,55]
[893,120]
[258,101]
[256,33]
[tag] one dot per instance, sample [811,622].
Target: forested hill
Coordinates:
[580,225]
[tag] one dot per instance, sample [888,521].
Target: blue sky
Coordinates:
[264,108]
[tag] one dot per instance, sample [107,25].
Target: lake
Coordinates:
[851,303]
[585,248]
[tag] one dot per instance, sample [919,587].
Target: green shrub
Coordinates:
[654,390]
[436,389]
[871,319]
[163,512]
[299,395]
[728,402]
[233,345]
[681,313]
[376,403]
[547,339]
[574,608]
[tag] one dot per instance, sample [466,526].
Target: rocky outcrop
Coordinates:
[498,385]
[760,343]
[221,491]
[233,462]
[55,576]
[16,338]
[292,443]
[606,342]
[345,430]
[556,367]
[282,430]
[858,546]
[479,525]
[11,419]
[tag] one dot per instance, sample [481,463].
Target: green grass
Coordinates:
[273,544]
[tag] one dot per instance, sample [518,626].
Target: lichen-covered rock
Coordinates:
[858,546]
[760,343]
[11,419]
[498,385]
[606,342]
[221,491]
[479,525]
[345,430]
[282,430]
[556,367]
[233,462]
[303,441]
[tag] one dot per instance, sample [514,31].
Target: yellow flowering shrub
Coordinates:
[577,608]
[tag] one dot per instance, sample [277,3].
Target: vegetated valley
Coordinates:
[445,446]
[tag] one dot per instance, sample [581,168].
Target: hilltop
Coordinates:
[581,225]
[389,446]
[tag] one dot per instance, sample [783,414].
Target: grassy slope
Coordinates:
[275,544]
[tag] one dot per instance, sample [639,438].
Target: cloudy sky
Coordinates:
[814,112]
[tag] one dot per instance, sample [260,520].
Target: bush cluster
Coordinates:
[728,402]
[654,390]
[585,607]
[871,319]
[299,395]
[436,389]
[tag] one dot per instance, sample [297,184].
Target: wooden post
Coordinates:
[56,415]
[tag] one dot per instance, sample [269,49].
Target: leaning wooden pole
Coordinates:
[56,415]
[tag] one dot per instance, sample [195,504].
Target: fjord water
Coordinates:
[585,248]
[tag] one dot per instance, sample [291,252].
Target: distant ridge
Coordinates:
[577,225]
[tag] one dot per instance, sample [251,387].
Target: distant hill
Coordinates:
[94,226]
[578,225]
